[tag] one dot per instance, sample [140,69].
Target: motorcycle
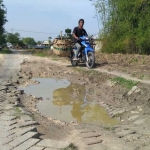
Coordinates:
[86,54]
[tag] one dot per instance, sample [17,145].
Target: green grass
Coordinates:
[17,109]
[88,72]
[55,59]
[5,51]
[124,82]
[41,54]
[109,128]
[141,77]
[17,115]
[70,147]
[133,74]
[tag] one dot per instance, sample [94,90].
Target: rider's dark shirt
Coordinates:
[79,32]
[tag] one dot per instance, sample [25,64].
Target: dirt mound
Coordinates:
[136,65]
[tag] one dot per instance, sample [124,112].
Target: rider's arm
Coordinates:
[85,33]
[75,36]
[74,33]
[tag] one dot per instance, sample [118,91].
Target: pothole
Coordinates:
[68,102]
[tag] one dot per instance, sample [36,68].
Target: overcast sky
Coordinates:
[49,16]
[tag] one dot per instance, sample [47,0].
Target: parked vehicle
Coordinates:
[39,47]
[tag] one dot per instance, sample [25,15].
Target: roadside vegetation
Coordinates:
[41,53]
[5,51]
[87,72]
[70,147]
[124,82]
[126,27]
[45,53]
[3,21]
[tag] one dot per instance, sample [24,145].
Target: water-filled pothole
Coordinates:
[68,102]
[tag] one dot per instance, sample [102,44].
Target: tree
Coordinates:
[3,40]
[2,16]
[39,42]
[126,25]
[29,41]
[65,36]
[21,44]
[13,38]
[49,39]
[2,23]
[58,36]
[68,32]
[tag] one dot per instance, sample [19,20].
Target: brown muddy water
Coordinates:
[68,102]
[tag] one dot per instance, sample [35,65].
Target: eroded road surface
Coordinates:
[11,64]
[22,126]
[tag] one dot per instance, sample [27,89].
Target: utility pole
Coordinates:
[61,34]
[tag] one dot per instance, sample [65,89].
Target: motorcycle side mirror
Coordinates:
[91,37]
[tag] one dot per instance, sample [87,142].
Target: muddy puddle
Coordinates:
[68,102]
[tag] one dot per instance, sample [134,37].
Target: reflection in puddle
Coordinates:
[68,102]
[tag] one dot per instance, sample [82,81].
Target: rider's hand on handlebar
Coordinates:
[77,38]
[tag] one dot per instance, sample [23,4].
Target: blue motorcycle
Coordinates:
[86,54]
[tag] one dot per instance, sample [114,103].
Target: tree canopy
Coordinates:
[2,23]
[13,38]
[39,42]
[21,44]
[126,25]
[29,41]
[3,40]
[2,16]
[68,33]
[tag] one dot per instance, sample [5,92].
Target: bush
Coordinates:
[5,51]
[126,26]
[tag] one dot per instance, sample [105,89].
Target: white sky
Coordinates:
[49,16]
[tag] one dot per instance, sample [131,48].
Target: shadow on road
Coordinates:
[83,65]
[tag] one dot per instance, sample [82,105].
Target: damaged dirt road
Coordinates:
[128,105]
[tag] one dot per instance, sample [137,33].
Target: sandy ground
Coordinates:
[135,66]
[98,78]
[125,103]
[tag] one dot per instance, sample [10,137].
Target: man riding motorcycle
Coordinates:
[78,32]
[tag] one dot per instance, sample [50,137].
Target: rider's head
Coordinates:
[81,22]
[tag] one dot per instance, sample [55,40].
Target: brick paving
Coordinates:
[21,133]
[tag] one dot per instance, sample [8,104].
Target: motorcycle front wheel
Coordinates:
[90,63]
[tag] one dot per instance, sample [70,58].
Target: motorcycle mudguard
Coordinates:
[88,49]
